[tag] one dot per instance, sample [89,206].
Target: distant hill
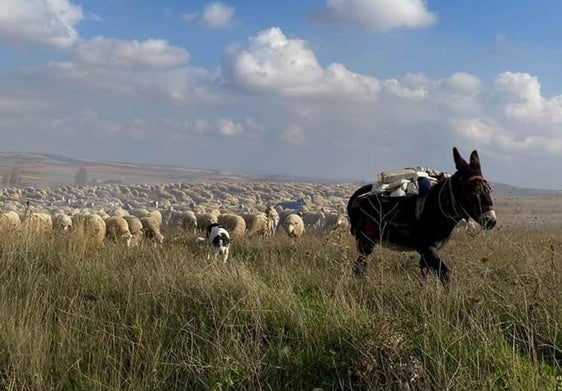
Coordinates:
[37,169]
[503,189]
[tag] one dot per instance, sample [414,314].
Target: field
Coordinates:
[284,316]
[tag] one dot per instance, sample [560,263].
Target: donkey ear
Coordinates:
[459,161]
[474,160]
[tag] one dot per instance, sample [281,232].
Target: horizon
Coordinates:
[506,188]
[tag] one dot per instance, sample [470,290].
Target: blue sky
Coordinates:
[318,88]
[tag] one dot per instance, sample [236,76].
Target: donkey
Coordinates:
[421,223]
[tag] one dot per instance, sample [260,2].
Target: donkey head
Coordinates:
[474,191]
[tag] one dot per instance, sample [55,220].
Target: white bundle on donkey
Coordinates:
[410,180]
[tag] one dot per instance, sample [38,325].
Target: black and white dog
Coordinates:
[219,240]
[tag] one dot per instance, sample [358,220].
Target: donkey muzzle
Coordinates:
[488,219]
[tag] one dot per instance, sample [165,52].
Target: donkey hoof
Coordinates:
[359,268]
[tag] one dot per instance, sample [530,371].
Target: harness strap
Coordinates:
[475,177]
[456,216]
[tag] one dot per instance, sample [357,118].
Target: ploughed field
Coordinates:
[280,314]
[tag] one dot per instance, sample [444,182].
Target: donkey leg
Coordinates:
[430,258]
[360,266]
[364,249]
[424,268]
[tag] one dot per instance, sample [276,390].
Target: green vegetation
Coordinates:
[280,316]
[81,177]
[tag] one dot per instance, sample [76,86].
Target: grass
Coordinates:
[280,316]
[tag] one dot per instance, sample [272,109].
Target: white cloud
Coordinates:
[179,85]
[476,129]
[463,83]
[248,127]
[400,89]
[217,15]
[229,128]
[46,22]
[150,68]
[522,93]
[294,135]
[518,117]
[273,63]
[379,15]
[12,104]
[151,53]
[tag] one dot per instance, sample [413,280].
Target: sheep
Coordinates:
[117,229]
[186,220]
[139,212]
[119,211]
[314,221]
[336,221]
[62,222]
[256,224]
[189,221]
[272,219]
[135,228]
[156,215]
[37,222]
[151,229]
[296,204]
[205,219]
[294,226]
[9,221]
[90,227]
[283,215]
[234,224]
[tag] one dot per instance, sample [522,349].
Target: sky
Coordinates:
[336,89]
